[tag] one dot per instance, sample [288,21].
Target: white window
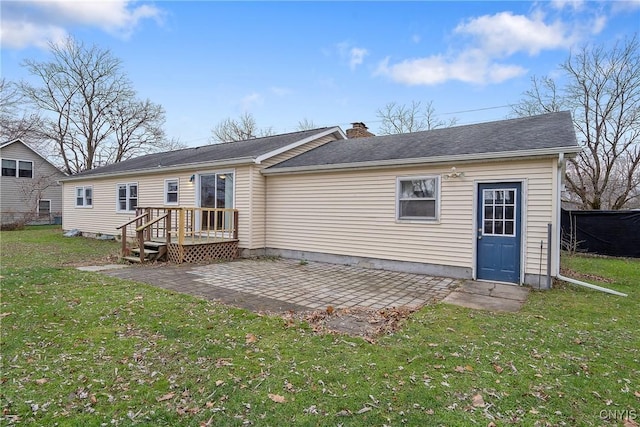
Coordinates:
[418,198]
[171,191]
[84,197]
[17,168]
[44,208]
[127,195]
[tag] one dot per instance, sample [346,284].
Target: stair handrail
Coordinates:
[124,231]
[140,233]
[150,223]
[142,215]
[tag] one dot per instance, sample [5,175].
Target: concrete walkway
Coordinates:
[281,285]
[488,296]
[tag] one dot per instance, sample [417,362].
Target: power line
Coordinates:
[477,109]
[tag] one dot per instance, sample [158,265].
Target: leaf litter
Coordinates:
[367,323]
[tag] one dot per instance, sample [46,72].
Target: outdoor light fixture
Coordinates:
[453,174]
[192,178]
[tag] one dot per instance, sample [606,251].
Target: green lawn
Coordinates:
[80,348]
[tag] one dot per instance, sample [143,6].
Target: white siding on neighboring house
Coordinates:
[19,196]
[353,213]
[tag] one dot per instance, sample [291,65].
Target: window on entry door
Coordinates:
[499,212]
[216,191]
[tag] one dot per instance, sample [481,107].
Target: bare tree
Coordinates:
[15,121]
[543,97]
[89,107]
[137,130]
[306,124]
[410,118]
[240,129]
[603,93]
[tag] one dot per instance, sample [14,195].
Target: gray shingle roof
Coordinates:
[547,131]
[251,148]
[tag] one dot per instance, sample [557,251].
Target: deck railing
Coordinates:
[182,225]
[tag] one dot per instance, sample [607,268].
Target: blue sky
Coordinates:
[328,62]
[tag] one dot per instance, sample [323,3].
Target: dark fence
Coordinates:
[614,233]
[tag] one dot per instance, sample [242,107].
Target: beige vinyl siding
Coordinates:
[19,196]
[354,213]
[257,209]
[102,217]
[242,200]
[252,213]
[297,151]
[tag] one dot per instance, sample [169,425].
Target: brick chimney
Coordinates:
[359,130]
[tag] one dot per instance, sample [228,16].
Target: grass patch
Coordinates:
[80,348]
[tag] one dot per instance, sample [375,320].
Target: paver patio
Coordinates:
[282,285]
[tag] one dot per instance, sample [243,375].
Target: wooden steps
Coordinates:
[152,251]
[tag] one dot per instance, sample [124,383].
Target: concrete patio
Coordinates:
[283,285]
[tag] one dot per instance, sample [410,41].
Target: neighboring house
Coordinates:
[30,191]
[469,201]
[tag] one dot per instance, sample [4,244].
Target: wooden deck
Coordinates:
[191,235]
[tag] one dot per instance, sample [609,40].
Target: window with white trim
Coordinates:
[171,191]
[418,198]
[17,168]
[127,195]
[9,167]
[84,196]
[25,169]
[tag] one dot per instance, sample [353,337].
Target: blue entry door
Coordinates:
[499,232]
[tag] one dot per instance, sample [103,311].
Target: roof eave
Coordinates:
[164,169]
[521,154]
[261,158]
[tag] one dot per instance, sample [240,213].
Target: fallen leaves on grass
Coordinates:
[477,401]
[277,398]
[367,323]
[167,396]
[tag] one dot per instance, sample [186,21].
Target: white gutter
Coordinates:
[558,275]
[162,169]
[423,160]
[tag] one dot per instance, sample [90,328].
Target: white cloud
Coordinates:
[18,35]
[280,91]
[572,4]
[598,24]
[470,67]
[35,23]
[488,43]
[252,100]
[505,33]
[625,6]
[354,55]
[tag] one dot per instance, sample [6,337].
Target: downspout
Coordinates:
[558,219]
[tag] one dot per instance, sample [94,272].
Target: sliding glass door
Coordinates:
[216,191]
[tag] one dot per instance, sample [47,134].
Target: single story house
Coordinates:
[30,192]
[469,201]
